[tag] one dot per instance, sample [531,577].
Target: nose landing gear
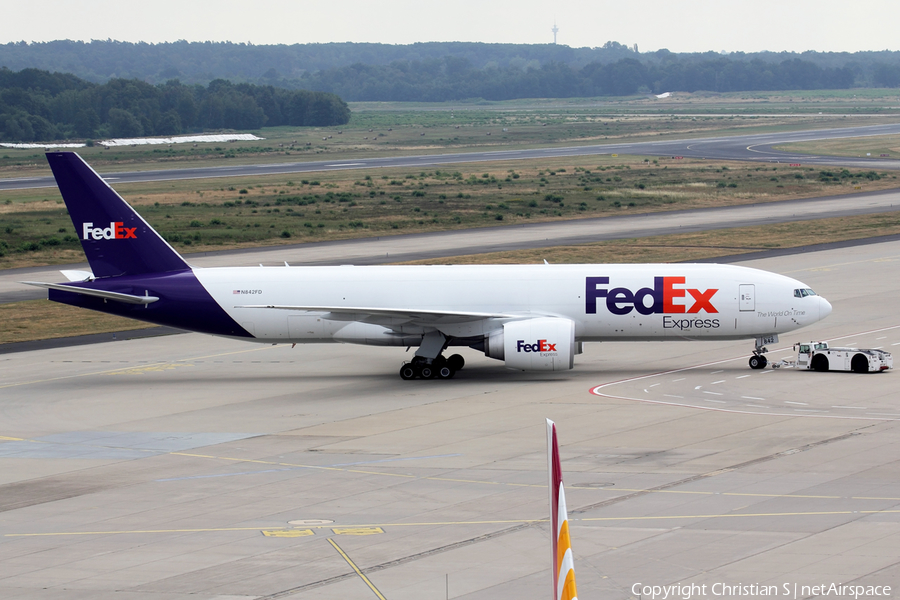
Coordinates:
[759,360]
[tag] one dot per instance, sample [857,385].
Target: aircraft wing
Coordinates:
[389,315]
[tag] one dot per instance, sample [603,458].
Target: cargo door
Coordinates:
[747,298]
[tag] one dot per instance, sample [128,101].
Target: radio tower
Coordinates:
[554,30]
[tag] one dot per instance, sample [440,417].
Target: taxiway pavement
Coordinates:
[189,467]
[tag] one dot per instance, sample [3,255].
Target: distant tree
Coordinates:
[43,129]
[123,124]
[212,112]
[887,75]
[15,127]
[169,123]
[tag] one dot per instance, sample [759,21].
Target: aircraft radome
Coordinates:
[532,317]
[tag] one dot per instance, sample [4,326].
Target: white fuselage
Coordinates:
[606,302]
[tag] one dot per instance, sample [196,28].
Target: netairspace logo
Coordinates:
[115,231]
[687,591]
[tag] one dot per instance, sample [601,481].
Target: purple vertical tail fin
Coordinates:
[116,240]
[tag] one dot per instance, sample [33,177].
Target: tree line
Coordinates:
[201,62]
[285,65]
[37,105]
[452,78]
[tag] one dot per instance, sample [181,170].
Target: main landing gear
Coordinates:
[429,362]
[758,360]
[439,368]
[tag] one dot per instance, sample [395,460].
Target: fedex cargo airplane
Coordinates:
[532,317]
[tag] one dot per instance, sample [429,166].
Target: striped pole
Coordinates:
[563,564]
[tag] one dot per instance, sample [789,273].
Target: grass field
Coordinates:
[245,212]
[881,146]
[220,214]
[43,320]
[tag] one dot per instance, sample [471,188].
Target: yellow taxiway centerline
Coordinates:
[355,568]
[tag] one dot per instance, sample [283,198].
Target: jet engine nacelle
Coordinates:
[540,344]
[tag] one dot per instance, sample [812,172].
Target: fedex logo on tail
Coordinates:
[115,231]
[664,297]
[539,346]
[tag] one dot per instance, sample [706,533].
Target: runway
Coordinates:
[392,249]
[190,467]
[754,147]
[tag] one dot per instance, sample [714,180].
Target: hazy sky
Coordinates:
[679,25]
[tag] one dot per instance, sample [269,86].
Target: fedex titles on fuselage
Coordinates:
[666,297]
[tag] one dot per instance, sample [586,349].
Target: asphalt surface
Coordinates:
[755,147]
[392,249]
[194,468]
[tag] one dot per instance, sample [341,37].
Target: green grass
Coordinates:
[42,319]
[237,212]
[879,146]
[213,214]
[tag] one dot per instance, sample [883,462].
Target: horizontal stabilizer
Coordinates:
[355,313]
[118,297]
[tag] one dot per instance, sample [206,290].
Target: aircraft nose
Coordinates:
[824,307]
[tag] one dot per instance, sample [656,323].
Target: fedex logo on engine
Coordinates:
[665,297]
[539,346]
[115,231]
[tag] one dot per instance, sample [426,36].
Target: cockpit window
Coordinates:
[803,293]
